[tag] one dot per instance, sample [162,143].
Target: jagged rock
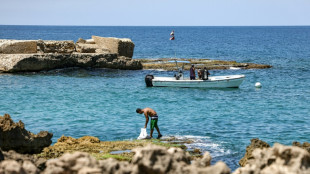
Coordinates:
[116,167]
[72,163]
[156,159]
[255,143]
[40,62]
[120,63]
[147,160]
[305,145]
[82,140]
[12,155]
[205,161]
[278,159]
[55,46]
[18,46]
[123,47]
[81,40]
[14,136]
[11,167]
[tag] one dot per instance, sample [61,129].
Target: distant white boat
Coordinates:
[229,81]
[234,68]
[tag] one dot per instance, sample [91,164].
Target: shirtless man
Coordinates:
[148,112]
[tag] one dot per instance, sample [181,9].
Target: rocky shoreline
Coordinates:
[90,155]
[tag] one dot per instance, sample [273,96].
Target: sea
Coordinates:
[102,102]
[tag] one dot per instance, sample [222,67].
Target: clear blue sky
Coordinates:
[155,12]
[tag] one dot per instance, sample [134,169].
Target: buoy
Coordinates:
[258,85]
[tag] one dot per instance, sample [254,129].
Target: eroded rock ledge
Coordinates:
[39,55]
[14,136]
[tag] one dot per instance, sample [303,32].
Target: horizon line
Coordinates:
[160,25]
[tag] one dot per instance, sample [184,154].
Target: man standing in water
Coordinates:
[148,112]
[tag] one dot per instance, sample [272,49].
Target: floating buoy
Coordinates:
[258,85]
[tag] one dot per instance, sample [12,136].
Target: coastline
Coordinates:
[211,64]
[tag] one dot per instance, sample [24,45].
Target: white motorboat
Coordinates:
[229,81]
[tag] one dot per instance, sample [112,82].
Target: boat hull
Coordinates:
[232,81]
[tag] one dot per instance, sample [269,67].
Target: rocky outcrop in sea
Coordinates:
[39,55]
[14,136]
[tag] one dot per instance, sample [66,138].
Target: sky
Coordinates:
[155,12]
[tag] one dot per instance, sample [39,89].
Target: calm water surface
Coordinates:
[102,102]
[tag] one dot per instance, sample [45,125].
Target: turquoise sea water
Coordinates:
[102,102]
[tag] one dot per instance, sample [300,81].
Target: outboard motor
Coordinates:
[148,80]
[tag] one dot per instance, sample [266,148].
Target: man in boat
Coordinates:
[192,74]
[205,74]
[199,72]
[148,112]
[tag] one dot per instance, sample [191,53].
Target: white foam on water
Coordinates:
[204,143]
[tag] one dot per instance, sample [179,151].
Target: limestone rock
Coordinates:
[11,167]
[72,163]
[42,55]
[278,159]
[123,47]
[205,161]
[20,158]
[118,167]
[156,159]
[147,160]
[305,145]
[90,48]
[81,40]
[40,62]
[255,143]
[90,41]
[18,46]
[56,46]
[14,136]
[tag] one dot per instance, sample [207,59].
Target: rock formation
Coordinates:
[278,159]
[305,145]
[38,55]
[20,158]
[255,143]
[14,136]
[147,160]
[152,159]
